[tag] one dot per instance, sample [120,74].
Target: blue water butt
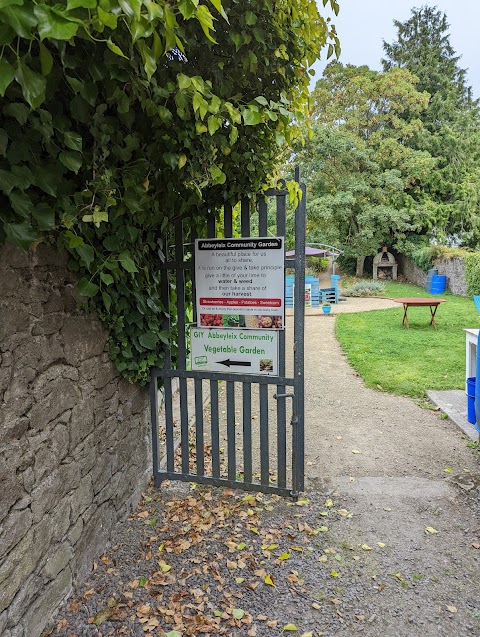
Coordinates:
[439,284]
[471,416]
[477,392]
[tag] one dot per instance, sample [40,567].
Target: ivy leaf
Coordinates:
[21,203]
[251,117]
[214,124]
[106,18]
[107,300]
[86,253]
[87,288]
[218,6]
[106,278]
[54,26]
[47,177]
[218,176]
[127,263]
[18,110]
[46,60]
[116,49]
[131,8]
[148,340]
[20,233]
[33,85]
[21,20]
[84,4]
[7,74]
[73,140]
[71,160]
[44,216]
[184,81]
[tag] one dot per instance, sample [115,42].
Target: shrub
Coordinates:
[422,257]
[426,257]
[316,265]
[365,288]
[472,272]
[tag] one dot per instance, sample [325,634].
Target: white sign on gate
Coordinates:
[240,282]
[234,350]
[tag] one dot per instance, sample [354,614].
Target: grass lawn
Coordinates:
[408,362]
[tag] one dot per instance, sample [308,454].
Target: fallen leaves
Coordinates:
[205,557]
[429,530]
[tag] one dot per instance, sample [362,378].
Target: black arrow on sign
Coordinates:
[228,363]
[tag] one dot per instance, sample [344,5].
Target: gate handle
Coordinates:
[277,396]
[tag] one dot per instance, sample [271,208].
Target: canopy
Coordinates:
[312,252]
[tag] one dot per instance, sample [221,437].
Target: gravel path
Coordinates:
[387,543]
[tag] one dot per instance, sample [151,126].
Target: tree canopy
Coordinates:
[120,115]
[451,124]
[361,173]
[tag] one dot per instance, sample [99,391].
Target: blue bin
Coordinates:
[439,284]
[477,392]
[471,417]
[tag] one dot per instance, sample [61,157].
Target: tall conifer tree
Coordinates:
[451,123]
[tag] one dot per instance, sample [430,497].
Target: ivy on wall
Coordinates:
[119,116]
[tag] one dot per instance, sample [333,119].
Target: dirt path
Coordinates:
[386,458]
[386,545]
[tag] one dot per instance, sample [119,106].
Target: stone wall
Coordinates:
[411,272]
[454,269]
[74,439]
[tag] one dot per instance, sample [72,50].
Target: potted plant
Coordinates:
[326,307]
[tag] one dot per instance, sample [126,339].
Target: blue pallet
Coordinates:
[314,287]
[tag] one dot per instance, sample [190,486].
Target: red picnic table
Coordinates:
[419,302]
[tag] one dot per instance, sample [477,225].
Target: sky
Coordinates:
[362,25]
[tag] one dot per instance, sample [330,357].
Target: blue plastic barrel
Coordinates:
[471,416]
[477,392]
[439,284]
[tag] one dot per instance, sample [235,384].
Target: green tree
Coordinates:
[360,173]
[451,123]
[119,116]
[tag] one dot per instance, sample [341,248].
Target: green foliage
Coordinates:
[365,288]
[423,258]
[359,172]
[451,133]
[472,272]
[315,265]
[119,117]
[391,358]
[426,256]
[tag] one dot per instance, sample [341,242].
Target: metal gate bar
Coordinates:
[177,276]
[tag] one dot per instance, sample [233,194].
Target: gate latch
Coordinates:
[277,396]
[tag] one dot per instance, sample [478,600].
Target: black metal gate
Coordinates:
[230,429]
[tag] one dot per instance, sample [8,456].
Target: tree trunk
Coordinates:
[360,264]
